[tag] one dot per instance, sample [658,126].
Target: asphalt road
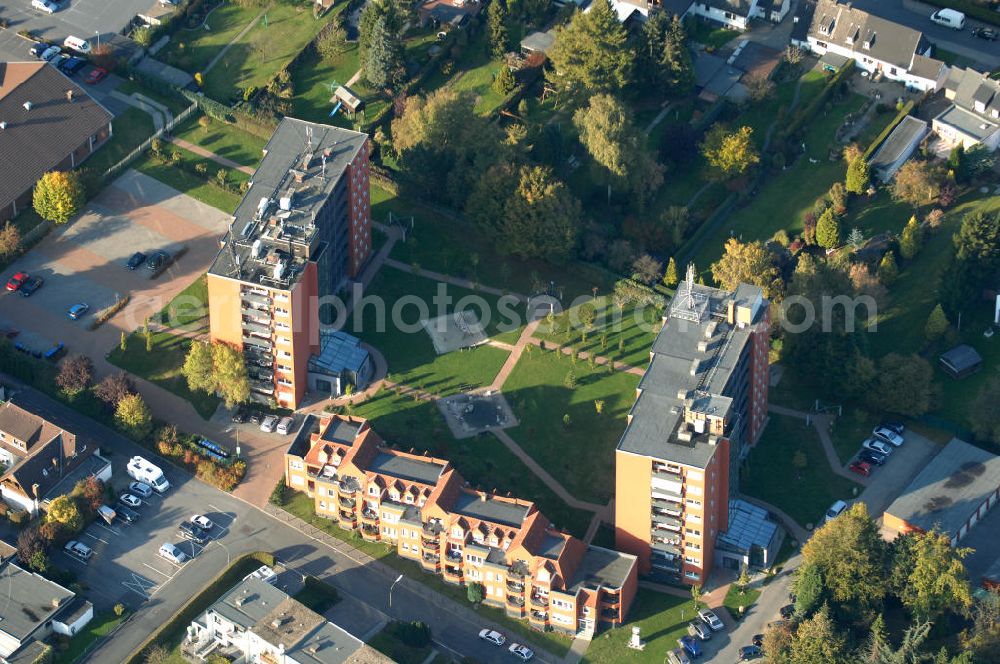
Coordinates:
[917,16]
[364,584]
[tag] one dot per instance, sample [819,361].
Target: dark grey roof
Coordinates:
[327,644]
[300,444]
[949,489]
[74,610]
[968,87]
[676,7]
[29,600]
[901,140]
[91,466]
[802,20]
[248,602]
[864,33]
[739,7]
[29,653]
[490,509]
[539,41]
[286,236]
[961,358]
[550,547]
[748,526]
[406,468]
[601,567]
[36,141]
[341,431]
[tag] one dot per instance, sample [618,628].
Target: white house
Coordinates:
[876,45]
[974,115]
[734,14]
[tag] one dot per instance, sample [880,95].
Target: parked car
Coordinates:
[690,645]
[239,416]
[29,287]
[135,260]
[202,523]
[140,489]
[39,48]
[78,549]
[871,457]
[189,531]
[835,511]
[255,417]
[524,652]
[78,310]
[46,6]
[700,630]
[267,426]
[17,281]
[989,34]
[59,61]
[678,656]
[73,65]
[157,260]
[888,435]
[285,425]
[787,611]
[894,425]
[860,468]
[492,636]
[77,44]
[172,553]
[709,618]
[758,640]
[877,446]
[50,52]
[127,514]
[949,18]
[751,652]
[95,76]
[128,500]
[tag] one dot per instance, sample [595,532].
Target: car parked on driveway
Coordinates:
[78,310]
[135,260]
[17,281]
[78,549]
[877,446]
[690,645]
[50,52]
[708,617]
[700,630]
[492,636]
[267,426]
[172,553]
[989,34]
[871,457]
[888,435]
[39,48]
[787,611]
[95,76]
[860,468]
[29,287]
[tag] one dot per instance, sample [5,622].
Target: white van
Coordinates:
[140,469]
[77,44]
[949,18]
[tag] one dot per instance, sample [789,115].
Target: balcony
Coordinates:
[669,475]
[366,514]
[347,517]
[611,615]
[431,545]
[669,509]
[262,387]
[346,502]
[668,522]
[666,564]
[369,532]
[515,601]
[454,555]
[539,616]
[431,559]
[260,299]
[261,373]
[256,315]
[256,329]
[451,570]
[518,570]
[252,343]
[666,548]
[515,586]
[539,601]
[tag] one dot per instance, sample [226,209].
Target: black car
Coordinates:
[30,286]
[157,260]
[758,640]
[73,65]
[256,417]
[136,260]
[239,416]
[989,34]
[872,457]
[126,514]
[893,425]
[59,61]
[750,652]
[39,48]
[787,611]
[189,531]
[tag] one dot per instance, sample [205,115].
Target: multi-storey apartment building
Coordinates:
[424,507]
[700,404]
[302,229]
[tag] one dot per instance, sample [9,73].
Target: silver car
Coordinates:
[267,426]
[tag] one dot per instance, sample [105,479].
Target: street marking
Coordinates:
[113,532]
[140,584]
[169,576]
[75,559]
[89,534]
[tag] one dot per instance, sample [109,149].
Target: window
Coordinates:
[692,575]
[295,464]
[322,504]
[692,531]
[693,561]
[693,503]
[298,480]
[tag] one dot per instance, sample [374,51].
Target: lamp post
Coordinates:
[98,33]
[398,579]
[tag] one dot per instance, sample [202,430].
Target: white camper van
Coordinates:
[143,471]
[949,18]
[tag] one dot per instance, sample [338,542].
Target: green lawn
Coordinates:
[188,311]
[387,643]
[224,139]
[711,36]
[734,600]
[662,620]
[174,102]
[302,506]
[264,49]
[99,627]
[163,366]
[580,455]
[850,430]
[190,183]
[769,472]
[633,328]
[192,50]
[483,460]
[315,80]
[130,129]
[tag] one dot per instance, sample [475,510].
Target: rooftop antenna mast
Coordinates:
[689,283]
[309,138]
[234,259]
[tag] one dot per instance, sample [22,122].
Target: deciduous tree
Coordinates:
[75,374]
[749,263]
[904,385]
[647,269]
[938,581]
[917,183]
[729,153]
[332,42]
[591,54]
[198,367]
[808,590]
[63,509]
[10,240]
[857,175]
[230,372]
[58,196]
[132,415]
[113,387]
[818,640]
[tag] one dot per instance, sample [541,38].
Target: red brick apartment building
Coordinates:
[700,406]
[424,507]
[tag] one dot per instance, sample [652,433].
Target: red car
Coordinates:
[17,281]
[861,468]
[96,75]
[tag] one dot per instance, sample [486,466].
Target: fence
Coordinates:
[134,154]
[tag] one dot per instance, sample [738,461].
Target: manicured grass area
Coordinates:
[302,506]
[958,396]
[580,455]
[734,600]
[483,460]
[130,129]
[190,183]
[264,49]
[387,643]
[174,102]
[405,343]
[662,620]
[315,80]
[632,329]
[450,246]
[225,140]
[188,311]
[317,595]
[99,627]
[804,493]
[192,50]
[163,365]
[711,36]
[850,430]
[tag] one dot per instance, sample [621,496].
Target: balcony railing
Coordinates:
[431,545]
[670,475]
[255,314]
[452,571]
[262,387]
[540,602]
[347,502]
[256,343]
[515,587]
[367,514]
[369,530]
[610,614]
[454,555]
[540,616]
[432,558]
[666,521]
[515,601]
[346,516]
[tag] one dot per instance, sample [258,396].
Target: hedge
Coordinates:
[809,112]
[903,112]
[970,8]
[178,623]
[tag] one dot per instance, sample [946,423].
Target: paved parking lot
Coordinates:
[82,18]
[84,261]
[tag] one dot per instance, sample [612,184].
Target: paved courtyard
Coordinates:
[81,18]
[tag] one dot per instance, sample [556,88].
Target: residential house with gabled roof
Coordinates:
[974,115]
[735,14]
[838,32]
[426,509]
[37,456]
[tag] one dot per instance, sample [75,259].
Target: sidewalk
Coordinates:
[208,154]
